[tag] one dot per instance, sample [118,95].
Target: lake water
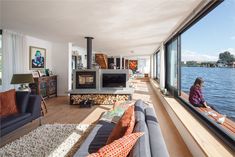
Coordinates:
[219,86]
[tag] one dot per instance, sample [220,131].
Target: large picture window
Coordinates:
[208,50]
[205,49]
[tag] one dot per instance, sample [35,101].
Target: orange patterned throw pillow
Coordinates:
[8,103]
[122,126]
[118,148]
[131,125]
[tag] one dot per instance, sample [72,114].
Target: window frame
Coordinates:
[173,90]
[156,68]
[223,134]
[1,54]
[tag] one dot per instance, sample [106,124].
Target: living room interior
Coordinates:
[90,78]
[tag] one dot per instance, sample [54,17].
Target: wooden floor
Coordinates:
[59,111]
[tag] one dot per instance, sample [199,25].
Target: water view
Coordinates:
[219,86]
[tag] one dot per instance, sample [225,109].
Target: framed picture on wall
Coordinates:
[133,65]
[37,58]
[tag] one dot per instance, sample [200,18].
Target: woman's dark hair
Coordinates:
[199,81]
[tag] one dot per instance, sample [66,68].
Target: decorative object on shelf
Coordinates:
[35,74]
[23,80]
[47,72]
[50,73]
[41,73]
[37,58]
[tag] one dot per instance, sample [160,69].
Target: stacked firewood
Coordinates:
[100,99]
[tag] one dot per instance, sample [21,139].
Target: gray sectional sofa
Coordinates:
[151,144]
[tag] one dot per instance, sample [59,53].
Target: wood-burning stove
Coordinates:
[85,80]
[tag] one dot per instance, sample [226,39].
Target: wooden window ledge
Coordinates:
[199,139]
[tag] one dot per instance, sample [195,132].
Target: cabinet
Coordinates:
[45,86]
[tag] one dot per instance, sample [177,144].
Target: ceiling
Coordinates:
[120,27]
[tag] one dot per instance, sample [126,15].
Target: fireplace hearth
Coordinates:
[100,85]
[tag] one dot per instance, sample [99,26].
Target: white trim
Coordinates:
[162,67]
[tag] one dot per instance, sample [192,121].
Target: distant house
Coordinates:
[208,64]
[232,65]
[221,64]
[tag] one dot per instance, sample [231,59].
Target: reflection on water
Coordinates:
[219,86]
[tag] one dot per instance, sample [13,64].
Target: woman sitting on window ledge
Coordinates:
[195,96]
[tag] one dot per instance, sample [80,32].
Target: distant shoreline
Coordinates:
[207,67]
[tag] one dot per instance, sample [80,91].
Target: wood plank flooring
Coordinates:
[59,111]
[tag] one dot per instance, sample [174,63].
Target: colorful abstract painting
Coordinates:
[37,59]
[133,65]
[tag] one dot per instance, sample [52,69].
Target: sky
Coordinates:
[213,34]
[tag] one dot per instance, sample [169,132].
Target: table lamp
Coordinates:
[23,80]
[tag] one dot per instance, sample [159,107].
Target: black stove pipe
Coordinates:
[89,52]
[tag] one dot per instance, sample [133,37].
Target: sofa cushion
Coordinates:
[10,120]
[157,143]
[96,139]
[8,103]
[142,147]
[22,101]
[121,127]
[118,148]
[139,110]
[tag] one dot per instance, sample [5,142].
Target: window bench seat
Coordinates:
[198,138]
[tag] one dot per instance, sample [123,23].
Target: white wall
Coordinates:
[60,65]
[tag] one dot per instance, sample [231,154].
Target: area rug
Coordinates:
[50,140]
